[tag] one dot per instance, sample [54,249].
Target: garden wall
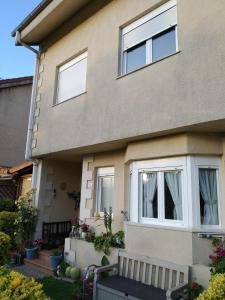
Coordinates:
[83,254]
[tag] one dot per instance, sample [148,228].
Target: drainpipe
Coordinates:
[33,95]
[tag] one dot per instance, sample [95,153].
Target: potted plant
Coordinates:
[25,224]
[55,259]
[38,243]
[84,229]
[30,249]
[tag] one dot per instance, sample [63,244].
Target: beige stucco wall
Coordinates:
[58,207]
[14,115]
[175,145]
[177,92]
[86,255]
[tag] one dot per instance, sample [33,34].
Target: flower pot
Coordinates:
[83,235]
[31,253]
[55,261]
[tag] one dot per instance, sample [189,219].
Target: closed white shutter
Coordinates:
[149,26]
[72,78]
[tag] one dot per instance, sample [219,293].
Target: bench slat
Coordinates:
[143,273]
[138,271]
[132,270]
[170,278]
[178,278]
[121,266]
[127,266]
[157,276]
[150,275]
[163,278]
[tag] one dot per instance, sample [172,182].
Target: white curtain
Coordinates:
[107,187]
[208,190]
[173,180]
[149,188]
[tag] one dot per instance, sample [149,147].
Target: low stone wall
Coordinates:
[83,254]
[201,274]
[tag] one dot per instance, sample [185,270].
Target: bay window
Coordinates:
[181,192]
[150,38]
[208,196]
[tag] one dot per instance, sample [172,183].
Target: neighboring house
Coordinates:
[128,108]
[15,95]
[15,181]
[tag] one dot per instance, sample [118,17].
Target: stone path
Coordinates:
[30,272]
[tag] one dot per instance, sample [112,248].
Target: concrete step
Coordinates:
[40,265]
[44,255]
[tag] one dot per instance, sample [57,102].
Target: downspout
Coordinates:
[33,96]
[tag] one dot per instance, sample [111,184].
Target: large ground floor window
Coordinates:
[182,191]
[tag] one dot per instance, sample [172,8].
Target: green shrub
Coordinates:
[7,204]
[5,244]
[26,219]
[15,286]
[216,289]
[105,241]
[7,220]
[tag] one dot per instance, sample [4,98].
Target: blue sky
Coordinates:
[14,61]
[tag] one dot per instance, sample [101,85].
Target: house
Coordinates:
[128,108]
[16,181]
[15,94]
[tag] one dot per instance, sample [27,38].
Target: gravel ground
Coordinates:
[30,272]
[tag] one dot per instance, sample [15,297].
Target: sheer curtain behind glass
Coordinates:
[208,192]
[106,192]
[149,184]
[173,180]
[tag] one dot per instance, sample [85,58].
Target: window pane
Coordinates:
[136,57]
[148,192]
[72,81]
[106,186]
[208,197]
[164,44]
[173,195]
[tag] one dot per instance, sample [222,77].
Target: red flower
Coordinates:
[194,285]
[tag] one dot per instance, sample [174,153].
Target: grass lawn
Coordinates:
[59,289]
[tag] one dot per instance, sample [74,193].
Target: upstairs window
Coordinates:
[72,78]
[150,38]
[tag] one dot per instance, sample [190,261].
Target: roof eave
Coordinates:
[31,16]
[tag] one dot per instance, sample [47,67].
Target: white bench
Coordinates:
[140,277]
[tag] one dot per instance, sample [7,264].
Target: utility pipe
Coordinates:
[33,96]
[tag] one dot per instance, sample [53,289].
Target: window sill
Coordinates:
[177,228]
[145,66]
[56,104]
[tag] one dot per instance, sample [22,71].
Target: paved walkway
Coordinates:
[30,272]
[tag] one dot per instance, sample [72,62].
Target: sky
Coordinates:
[15,61]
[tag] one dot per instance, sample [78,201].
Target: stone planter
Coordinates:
[83,235]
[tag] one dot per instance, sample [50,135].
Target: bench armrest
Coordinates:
[172,293]
[106,268]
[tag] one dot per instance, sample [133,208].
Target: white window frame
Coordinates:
[205,163]
[65,66]
[102,172]
[140,22]
[160,166]
[189,166]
